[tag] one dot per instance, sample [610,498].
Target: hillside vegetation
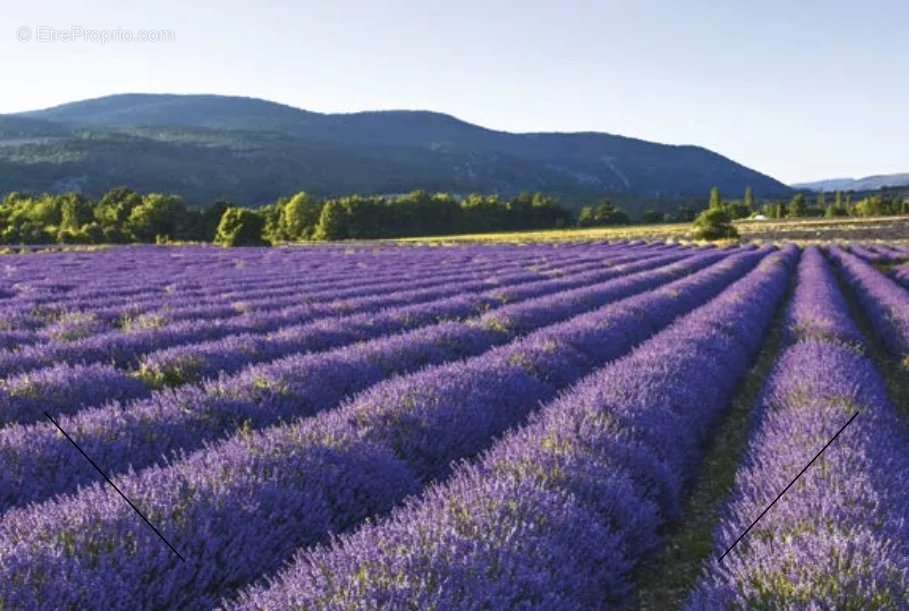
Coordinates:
[207,148]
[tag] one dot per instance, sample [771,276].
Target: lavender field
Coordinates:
[462,427]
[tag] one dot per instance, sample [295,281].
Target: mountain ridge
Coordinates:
[208,147]
[867,183]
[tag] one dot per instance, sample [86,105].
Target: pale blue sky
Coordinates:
[800,90]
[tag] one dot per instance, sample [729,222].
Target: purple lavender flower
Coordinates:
[885,303]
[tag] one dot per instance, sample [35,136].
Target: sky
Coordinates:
[800,90]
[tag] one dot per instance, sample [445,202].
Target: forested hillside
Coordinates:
[207,148]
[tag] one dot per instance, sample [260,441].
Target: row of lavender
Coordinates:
[840,537]
[294,386]
[901,275]
[237,509]
[896,257]
[880,253]
[884,302]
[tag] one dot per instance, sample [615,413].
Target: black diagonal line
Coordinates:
[816,456]
[114,486]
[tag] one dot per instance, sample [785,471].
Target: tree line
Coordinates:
[883,203]
[124,216]
[121,216]
[303,217]
[715,222]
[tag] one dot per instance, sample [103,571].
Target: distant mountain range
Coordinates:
[207,147]
[869,183]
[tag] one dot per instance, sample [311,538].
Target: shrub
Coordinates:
[714,224]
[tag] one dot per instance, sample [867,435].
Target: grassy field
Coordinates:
[889,229]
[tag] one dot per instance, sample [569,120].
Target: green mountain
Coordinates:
[207,147]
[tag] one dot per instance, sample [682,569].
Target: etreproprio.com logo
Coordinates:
[101,36]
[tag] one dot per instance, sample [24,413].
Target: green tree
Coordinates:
[210,219]
[604,214]
[484,212]
[299,217]
[748,201]
[610,215]
[30,219]
[738,210]
[93,233]
[714,224]
[446,215]
[73,236]
[586,217]
[240,227]
[535,211]
[417,213]
[46,211]
[838,208]
[332,222]
[716,200]
[871,206]
[113,211]
[158,215]
[651,217]
[685,214]
[797,207]
[365,217]
[75,211]
[833,211]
